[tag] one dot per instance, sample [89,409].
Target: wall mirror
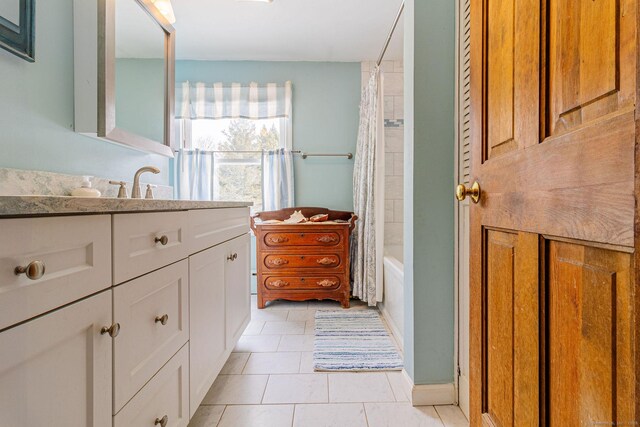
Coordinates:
[127,96]
[17,21]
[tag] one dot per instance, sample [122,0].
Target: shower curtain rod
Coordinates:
[393,29]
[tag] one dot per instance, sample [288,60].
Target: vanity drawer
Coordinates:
[167,394]
[289,261]
[145,343]
[143,242]
[323,238]
[76,255]
[210,227]
[276,283]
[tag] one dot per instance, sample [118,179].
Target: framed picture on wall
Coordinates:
[17,27]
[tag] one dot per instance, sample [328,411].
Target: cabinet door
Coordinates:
[237,288]
[56,370]
[207,352]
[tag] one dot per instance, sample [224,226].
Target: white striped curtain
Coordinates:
[277,180]
[219,101]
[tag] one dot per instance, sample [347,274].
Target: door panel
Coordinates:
[591,61]
[588,291]
[501,253]
[510,296]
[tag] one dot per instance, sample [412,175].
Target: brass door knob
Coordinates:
[162,421]
[112,330]
[474,192]
[162,319]
[34,270]
[163,240]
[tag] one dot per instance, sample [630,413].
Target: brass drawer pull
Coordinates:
[327,283]
[112,330]
[162,319]
[232,257]
[327,239]
[280,284]
[162,421]
[326,261]
[278,261]
[34,270]
[162,240]
[278,239]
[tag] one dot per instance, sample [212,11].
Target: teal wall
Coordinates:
[326,99]
[36,110]
[429,183]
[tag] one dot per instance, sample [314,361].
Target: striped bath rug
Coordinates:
[353,340]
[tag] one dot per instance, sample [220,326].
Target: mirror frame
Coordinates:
[107,80]
[21,42]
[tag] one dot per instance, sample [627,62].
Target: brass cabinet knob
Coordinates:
[162,421]
[34,270]
[474,192]
[162,319]
[112,330]
[163,240]
[232,257]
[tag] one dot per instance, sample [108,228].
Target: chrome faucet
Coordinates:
[135,192]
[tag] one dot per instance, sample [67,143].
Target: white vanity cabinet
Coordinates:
[132,320]
[220,309]
[55,370]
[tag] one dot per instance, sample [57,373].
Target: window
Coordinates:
[236,147]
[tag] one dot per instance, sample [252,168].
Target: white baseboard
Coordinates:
[429,394]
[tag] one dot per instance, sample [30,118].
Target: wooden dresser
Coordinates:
[300,262]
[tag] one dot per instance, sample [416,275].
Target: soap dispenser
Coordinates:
[85,189]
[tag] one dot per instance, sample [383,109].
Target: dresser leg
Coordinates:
[345,303]
[260,300]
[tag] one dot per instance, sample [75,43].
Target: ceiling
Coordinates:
[286,30]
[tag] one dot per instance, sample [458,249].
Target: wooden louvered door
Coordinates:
[554,124]
[463,145]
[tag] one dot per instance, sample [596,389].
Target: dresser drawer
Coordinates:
[290,261]
[153,312]
[210,227]
[166,395]
[313,282]
[76,255]
[317,239]
[144,242]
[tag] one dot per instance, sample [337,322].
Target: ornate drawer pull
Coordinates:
[326,261]
[327,239]
[162,240]
[162,319]
[34,270]
[327,283]
[278,239]
[278,261]
[280,284]
[162,421]
[112,330]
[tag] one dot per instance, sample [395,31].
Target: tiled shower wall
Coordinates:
[394,147]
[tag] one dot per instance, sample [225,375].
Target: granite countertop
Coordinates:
[18,206]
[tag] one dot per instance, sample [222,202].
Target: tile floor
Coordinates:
[269,381]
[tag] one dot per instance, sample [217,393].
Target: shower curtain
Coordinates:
[368,194]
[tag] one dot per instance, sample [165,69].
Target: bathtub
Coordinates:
[392,307]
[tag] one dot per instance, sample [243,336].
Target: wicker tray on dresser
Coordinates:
[307,261]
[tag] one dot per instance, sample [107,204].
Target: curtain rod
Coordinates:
[393,29]
[302,153]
